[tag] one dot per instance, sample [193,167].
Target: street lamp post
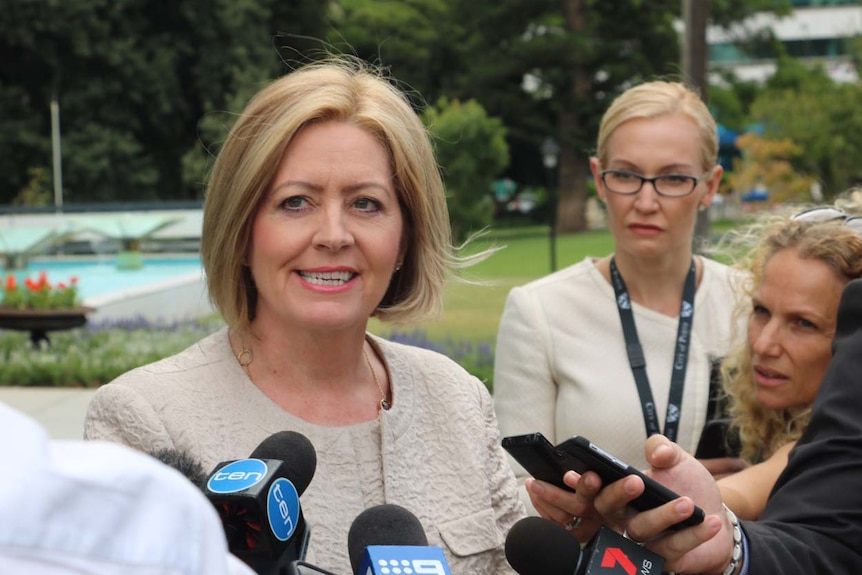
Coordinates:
[550,155]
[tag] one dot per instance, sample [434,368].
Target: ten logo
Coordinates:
[282,508]
[237,476]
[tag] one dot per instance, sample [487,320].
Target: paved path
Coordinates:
[60,410]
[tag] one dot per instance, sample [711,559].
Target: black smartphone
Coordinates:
[590,457]
[717,440]
[537,455]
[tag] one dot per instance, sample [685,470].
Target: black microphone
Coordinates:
[536,546]
[258,501]
[388,539]
[184,463]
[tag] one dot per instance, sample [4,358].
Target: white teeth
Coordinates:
[327,278]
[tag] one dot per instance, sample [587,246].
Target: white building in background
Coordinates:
[816,30]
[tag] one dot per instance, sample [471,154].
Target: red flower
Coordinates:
[11,282]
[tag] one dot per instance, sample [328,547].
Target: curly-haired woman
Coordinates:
[799,266]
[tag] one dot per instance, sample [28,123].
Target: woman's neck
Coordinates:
[656,284]
[315,376]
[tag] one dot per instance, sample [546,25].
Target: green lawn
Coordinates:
[472,312]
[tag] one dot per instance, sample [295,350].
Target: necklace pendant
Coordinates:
[385,405]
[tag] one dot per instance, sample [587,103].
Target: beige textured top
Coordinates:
[436,452]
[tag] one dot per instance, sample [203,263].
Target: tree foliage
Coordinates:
[769,163]
[133,78]
[148,90]
[822,117]
[471,149]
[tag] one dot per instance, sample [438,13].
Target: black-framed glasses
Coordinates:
[829,214]
[670,185]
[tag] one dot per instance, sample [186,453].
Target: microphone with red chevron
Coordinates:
[536,546]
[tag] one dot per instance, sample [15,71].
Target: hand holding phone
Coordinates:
[536,454]
[549,463]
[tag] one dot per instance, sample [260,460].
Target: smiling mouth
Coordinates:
[328,278]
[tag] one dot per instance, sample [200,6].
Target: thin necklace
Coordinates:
[245,357]
[384,403]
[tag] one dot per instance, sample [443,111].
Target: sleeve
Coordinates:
[813,520]
[504,488]
[120,414]
[524,388]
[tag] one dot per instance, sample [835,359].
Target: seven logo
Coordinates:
[237,476]
[614,556]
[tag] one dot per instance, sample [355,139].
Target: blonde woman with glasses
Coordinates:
[620,347]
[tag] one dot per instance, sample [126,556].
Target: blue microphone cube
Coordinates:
[403,560]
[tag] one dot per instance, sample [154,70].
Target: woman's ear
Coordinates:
[713,181]
[596,169]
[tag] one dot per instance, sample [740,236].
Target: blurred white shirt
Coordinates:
[99,508]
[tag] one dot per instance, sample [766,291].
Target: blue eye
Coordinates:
[367,204]
[294,203]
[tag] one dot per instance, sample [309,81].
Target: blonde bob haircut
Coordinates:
[764,430]
[341,90]
[660,98]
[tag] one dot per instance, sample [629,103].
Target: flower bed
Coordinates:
[38,294]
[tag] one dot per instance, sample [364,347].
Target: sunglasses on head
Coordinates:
[828,214]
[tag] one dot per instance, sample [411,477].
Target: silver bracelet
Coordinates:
[736,555]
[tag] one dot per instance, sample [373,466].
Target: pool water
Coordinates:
[99,277]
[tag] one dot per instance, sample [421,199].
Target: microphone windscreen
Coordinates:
[184,463]
[383,525]
[536,546]
[297,453]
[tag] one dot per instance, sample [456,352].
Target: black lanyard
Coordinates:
[638,362]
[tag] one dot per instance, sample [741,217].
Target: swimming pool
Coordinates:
[98,277]
[165,288]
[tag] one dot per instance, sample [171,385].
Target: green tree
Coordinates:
[802,104]
[133,79]
[411,38]
[575,55]
[471,149]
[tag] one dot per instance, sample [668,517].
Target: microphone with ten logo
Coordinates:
[258,501]
[389,540]
[536,546]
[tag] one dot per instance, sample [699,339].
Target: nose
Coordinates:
[766,340]
[333,231]
[646,200]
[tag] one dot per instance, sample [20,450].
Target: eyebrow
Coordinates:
[349,189]
[669,169]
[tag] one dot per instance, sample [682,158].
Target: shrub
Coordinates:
[98,352]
